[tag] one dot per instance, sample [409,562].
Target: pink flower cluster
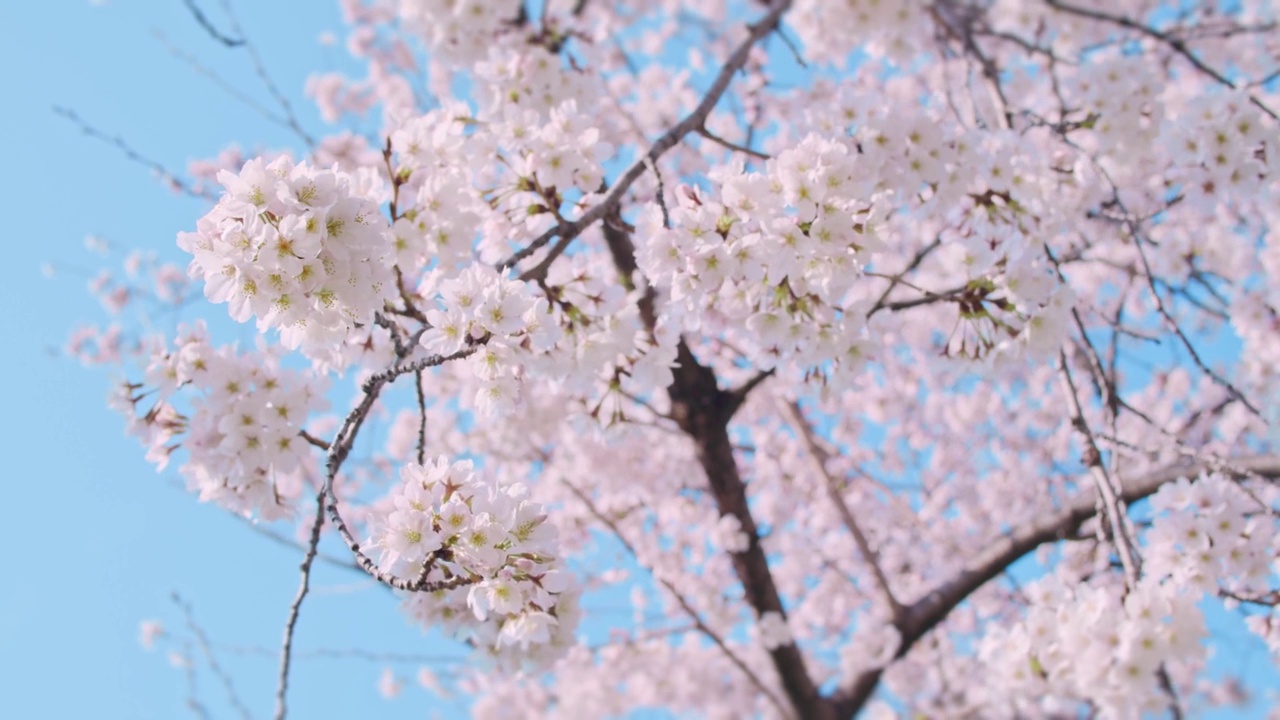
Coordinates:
[303,250]
[449,524]
[239,417]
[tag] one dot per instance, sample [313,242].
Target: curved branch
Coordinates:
[213,32]
[927,612]
[340,447]
[1176,44]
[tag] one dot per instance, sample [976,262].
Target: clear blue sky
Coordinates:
[97,540]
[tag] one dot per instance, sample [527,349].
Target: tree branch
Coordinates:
[207,649]
[729,145]
[682,601]
[703,410]
[340,448]
[286,646]
[1114,512]
[208,26]
[927,612]
[1174,43]
[690,123]
[261,70]
[422,417]
[169,178]
[819,456]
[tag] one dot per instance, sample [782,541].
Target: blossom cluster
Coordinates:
[775,254]
[513,597]
[241,429]
[1256,322]
[506,174]
[1216,144]
[1208,535]
[982,195]
[531,78]
[1086,643]
[1121,100]
[482,306]
[459,30]
[461,210]
[304,250]
[832,31]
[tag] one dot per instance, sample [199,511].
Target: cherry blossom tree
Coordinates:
[922,356]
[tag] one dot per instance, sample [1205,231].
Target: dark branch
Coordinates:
[930,610]
[286,646]
[209,28]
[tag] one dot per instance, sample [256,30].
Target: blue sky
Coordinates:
[98,539]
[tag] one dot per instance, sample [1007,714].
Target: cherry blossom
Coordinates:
[869,358]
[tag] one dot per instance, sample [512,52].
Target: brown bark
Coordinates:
[703,411]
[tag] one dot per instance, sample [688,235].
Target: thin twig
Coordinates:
[193,700]
[340,448]
[670,139]
[1131,224]
[209,28]
[280,539]
[729,145]
[261,70]
[313,440]
[897,279]
[169,178]
[1108,490]
[213,77]
[422,417]
[286,646]
[1177,329]
[820,457]
[207,649]
[1176,44]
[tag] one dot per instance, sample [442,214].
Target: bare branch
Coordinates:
[728,145]
[1104,483]
[208,26]
[286,646]
[261,70]
[422,417]
[193,701]
[882,303]
[213,77]
[313,440]
[1177,329]
[280,539]
[340,448]
[169,178]
[210,658]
